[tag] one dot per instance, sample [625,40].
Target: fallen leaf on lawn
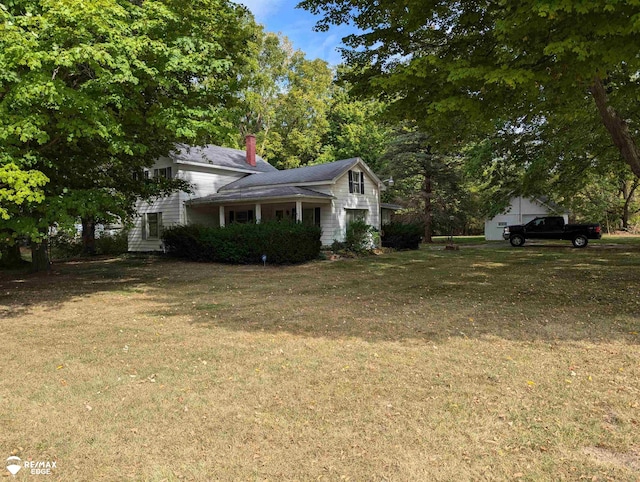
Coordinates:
[530,383]
[59,367]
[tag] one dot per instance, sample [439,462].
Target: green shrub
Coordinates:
[63,245]
[337,246]
[281,241]
[113,245]
[402,235]
[185,242]
[359,238]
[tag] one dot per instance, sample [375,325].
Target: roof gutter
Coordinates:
[258,199]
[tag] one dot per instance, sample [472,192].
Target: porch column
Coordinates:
[221,216]
[299,211]
[258,212]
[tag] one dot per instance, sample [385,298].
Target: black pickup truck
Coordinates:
[552,227]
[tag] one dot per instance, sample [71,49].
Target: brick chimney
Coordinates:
[251,150]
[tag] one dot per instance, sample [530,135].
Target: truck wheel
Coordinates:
[516,240]
[580,241]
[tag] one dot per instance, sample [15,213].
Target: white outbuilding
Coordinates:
[521,210]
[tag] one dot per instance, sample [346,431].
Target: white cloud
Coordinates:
[327,49]
[262,9]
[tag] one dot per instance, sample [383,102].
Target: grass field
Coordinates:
[487,363]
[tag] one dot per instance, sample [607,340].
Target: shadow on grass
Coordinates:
[549,295]
[521,294]
[21,290]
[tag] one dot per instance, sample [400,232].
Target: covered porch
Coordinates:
[283,203]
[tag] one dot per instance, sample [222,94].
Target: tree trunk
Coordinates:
[89,235]
[628,194]
[428,210]
[11,257]
[617,127]
[40,256]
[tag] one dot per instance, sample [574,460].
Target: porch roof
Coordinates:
[261,194]
[391,206]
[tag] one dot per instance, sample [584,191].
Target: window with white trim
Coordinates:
[162,172]
[152,226]
[356,182]
[242,217]
[356,215]
[311,216]
[142,174]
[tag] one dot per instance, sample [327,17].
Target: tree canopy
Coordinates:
[458,68]
[93,92]
[297,111]
[18,187]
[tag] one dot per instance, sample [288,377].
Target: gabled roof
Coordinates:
[545,201]
[216,156]
[302,175]
[260,194]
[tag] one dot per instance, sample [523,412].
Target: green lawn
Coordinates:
[486,363]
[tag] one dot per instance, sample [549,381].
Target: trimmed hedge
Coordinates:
[401,235]
[282,242]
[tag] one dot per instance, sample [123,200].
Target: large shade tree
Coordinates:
[427,179]
[93,92]
[356,128]
[283,98]
[300,121]
[460,67]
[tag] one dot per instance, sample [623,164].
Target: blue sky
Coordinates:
[297,24]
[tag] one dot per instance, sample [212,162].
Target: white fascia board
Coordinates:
[366,169]
[216,166]
[289,184]
[370,172]
[274,200]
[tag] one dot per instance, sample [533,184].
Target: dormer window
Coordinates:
[356,182]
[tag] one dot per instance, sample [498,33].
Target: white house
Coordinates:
[238,186]
[521,210]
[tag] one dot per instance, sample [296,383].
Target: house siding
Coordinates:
[170,207]
[206,182]
[173,207]
[334,220]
